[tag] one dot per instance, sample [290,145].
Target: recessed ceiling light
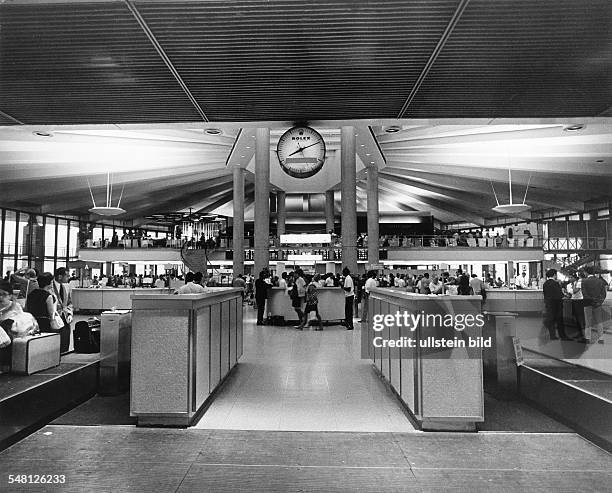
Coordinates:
[574,128]
[213,131]
[392,129]
[43,134]
[368,154]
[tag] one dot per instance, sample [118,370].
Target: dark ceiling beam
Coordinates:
[11,118]
[432,58]
[141,203]
[176,200]
[134,182]
[153,193]
[132,8]
[462,212]
[462,175]
[485,195]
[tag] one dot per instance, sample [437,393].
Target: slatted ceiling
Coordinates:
[295,61]
[84,63]
[522,58]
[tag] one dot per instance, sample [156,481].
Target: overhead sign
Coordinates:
[305,258]
[305,239]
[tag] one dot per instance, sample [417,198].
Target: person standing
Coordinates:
[261,294]
[578,304]
[423,285]
[521,282]
[594,292]
[349,298]
[312,304]
[369,284]
[64,305]
[553,305]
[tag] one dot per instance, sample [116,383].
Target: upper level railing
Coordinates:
[577,243]
[421,241]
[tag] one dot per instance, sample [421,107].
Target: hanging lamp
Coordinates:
[107,210]
[511,208]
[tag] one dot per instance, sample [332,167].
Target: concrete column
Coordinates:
[348,178]
[238,229]
[262,200]
[329,211]
[330,267]
[373,254]
[281,212]
[510,270]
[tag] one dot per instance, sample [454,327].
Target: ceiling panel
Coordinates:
[83,63]
[520,58]
[284,60]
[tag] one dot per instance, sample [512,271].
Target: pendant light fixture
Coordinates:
[108,210]
[511,208]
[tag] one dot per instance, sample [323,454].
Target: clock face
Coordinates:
[301,152]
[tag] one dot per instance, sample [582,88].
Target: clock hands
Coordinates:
[300,149]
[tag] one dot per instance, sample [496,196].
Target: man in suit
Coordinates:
[594,291]
[553,303]
[62,291]
[593,288]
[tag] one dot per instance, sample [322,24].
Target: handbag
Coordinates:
[56,321]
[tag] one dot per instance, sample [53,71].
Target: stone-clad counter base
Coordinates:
[183,346]
[442,389]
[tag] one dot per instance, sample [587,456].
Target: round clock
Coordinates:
[301,152]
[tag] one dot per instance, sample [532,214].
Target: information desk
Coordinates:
[109,298]
[442,389]
[521,301]
[331,304]
[183,346]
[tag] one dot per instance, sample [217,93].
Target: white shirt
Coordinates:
[369,284]
[191,288]
[301,286]
[282,283]
[348,283]
[577,285]
[521,281]
[329,282]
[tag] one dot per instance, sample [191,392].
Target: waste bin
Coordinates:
[499,360]
[115,345]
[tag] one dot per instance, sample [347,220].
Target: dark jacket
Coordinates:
[593,291]
[552,290]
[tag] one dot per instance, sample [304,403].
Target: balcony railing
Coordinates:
[577,243]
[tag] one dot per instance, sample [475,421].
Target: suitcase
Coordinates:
[87,337]
[35,353]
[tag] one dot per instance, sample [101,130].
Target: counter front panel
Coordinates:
[183,347]
[441,387]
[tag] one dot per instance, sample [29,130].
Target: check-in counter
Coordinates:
[331,304]
[441,387]
[183,346]
[100,299]
[521,301]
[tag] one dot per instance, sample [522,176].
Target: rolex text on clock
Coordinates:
[301,152]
